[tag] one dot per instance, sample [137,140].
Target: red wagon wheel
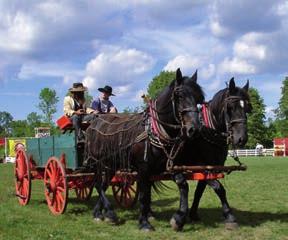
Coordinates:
[55,182]
[84,193]
[22,177]
[125,191]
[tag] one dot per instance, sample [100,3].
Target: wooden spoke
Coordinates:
[125,192]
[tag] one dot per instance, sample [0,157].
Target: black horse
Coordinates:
[147,143]
[225,122]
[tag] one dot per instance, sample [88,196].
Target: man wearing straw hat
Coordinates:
[75,108]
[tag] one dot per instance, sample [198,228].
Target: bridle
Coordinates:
[156,127]
[228,121]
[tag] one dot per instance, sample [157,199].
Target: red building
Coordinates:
[280,146]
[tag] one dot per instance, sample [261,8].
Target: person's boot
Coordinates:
[80,137]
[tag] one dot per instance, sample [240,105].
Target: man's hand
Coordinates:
[79,112]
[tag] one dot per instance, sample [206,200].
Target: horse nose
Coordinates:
[241,141]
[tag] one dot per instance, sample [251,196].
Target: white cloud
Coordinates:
[247,47]
[56,11]
[269,111]
[186,63]
[117,67]
[282,8]
[138,96]
[52,69]
[17,32]
[207,71]
[213,85]
[217,29]
[237,66]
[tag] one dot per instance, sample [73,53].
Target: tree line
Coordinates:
[260,129]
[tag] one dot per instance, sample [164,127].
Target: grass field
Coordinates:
[258,196]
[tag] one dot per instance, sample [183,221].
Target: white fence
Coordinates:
[253,152]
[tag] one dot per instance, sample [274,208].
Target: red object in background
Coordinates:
[2,142]
[64,122]
[280,146]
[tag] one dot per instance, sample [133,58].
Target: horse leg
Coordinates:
[145,205]
[230,220]
[97,211]
[104,204]
[179,218]
[193,214]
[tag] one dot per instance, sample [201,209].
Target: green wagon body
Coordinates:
[42,149]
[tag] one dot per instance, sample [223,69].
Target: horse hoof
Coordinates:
[151,218]
[174,225]
[98,220]
[111,220]
[231,225]
[146,228]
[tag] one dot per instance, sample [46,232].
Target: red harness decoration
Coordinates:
[206,114]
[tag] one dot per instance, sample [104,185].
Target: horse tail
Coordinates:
[159,186]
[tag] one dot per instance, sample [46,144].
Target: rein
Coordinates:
[157,134]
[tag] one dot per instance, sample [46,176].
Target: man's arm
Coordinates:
[68,104]
[94,107]
[112,109]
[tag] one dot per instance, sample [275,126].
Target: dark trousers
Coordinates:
[77,120]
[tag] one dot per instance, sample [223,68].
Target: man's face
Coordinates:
[105,95]
[79,95]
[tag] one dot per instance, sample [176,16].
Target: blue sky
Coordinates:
[124,44]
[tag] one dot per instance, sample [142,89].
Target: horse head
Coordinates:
[187,95]
[236,107]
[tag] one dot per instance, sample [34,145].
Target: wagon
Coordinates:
[58,161]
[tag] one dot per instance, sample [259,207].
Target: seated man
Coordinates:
[102,104]
[75,108]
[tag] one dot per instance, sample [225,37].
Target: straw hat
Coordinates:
[78,87]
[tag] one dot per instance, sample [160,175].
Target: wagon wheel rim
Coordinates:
[22,178]
[55,182]
[125,192]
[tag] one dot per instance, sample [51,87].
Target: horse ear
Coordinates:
[246,87]
[194,77]
[178,77]
[232,85]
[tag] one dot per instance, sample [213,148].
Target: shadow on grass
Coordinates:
[210,217]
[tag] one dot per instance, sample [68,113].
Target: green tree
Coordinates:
[19,128]
[281,122]
[282,111]
[48,101]
[33,121]
[159,82]
[5,122]
[257,130]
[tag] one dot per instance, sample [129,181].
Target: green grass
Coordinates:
[258,196]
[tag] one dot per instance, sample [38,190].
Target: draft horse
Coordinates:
[225,122]
[148,143]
